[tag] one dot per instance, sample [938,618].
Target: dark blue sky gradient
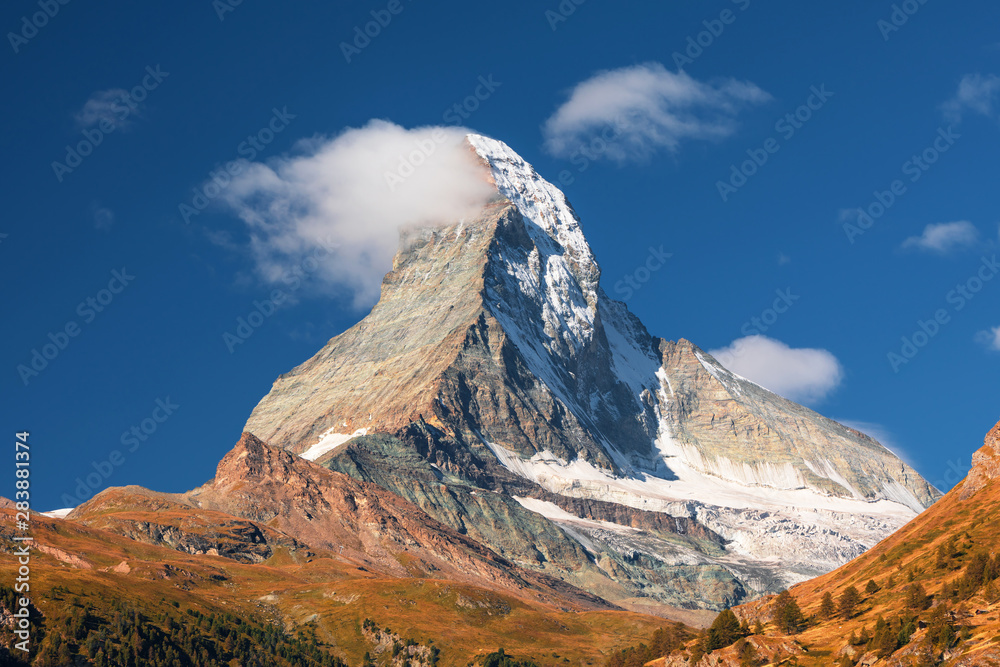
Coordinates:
[161,337]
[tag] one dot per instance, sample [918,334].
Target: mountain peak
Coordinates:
[543,205]
[495,383]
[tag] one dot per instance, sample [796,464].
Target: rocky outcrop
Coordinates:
[155,518]
[769,650]
[985,464]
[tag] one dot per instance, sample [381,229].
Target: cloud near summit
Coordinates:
[646,108]
[354,193]
[804,375]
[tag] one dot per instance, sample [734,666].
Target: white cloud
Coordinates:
[336,194]
[990,338]
[944,237]
[976,93]
[645,108]
[805,375]
[110,105]
[882,434]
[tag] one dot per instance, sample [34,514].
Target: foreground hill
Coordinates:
[144,578]
[927,595]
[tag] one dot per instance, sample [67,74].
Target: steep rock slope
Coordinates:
[497,363]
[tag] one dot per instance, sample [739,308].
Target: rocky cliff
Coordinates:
[985,464]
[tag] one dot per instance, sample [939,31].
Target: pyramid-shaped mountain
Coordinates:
[496,386]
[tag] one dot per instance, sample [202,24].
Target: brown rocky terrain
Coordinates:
[264,498]
[145,516]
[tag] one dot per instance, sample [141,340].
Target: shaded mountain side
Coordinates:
[104,599]
[614,551]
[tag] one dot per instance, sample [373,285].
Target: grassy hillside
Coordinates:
[928,595]
[98,593]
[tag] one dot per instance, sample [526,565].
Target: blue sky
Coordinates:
[163,97]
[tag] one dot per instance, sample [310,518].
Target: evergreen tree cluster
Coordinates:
[123,636]
[500,659]
[663,642]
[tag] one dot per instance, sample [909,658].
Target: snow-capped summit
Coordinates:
[629,465]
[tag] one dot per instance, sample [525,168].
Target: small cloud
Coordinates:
[990,338]
[805,375]
[944,238]
[106,105]
[336,210]
[882,434]
[976,93]
[783,259]
[638,110]
[104,218]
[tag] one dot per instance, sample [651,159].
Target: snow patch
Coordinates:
[330,441]
[58,514]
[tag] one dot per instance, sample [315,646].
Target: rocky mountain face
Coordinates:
[264,498]
[496,386]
